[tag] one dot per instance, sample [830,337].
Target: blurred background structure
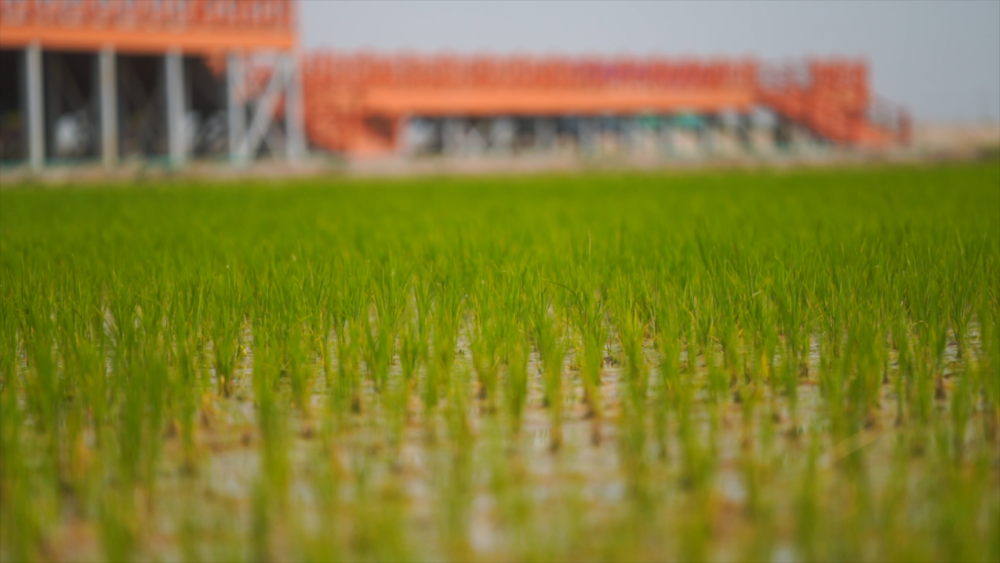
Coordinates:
[172,79]
[382,104]
[183,79]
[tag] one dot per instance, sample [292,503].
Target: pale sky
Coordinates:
[940,59]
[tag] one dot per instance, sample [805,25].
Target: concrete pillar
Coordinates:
[294,118]
[36,114]
[236,108]
[475,141]
[630,131]
[545,133]
[52,96]
[588,135]
[502,135]
[452,136]
[709,133]
[744,132]
[108,92]
[434,142]
[782,132]
[174,69]
[666,136]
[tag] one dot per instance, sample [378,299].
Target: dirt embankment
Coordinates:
[931,142]
[970,139]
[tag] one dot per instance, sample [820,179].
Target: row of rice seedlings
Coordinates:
[550,342]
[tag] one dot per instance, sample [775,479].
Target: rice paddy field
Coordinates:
[731,366]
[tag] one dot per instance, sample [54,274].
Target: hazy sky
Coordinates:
[941,59]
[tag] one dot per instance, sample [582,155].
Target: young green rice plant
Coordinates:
[486,333]
[271,425]
[700,338]
[73,413]
[9,337]
[987,366]
[348,318]
[43,386]
[457,488]
[412,351]
[151,380]
[631,309]
[498,340]
[317,290]
[588,312]
[767,341]
[118,523]
[227,320]
[377,529]
[961,287]
[262,522]
[550,342]
[388,295]
[22,524]
[789,295]
[397,396]
[696,459]
[447,315]
[422,311]
[631,313]
[668,334]
[516,391]
[326,480]
[808,504]
[293,339]
[923,298]
[508,484]
[186,313]
[759,509]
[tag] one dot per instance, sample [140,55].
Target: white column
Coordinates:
[174,68]
[745,133]
[502,135]
[36,116]
[709,135]
[236,109]
[109,105]
[545,133]
[263,111]
[629,127]
[296,142]
[666,136]
[452,136]
[588,140]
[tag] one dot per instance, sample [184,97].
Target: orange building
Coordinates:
[160,77]
[366,99]
[177,79]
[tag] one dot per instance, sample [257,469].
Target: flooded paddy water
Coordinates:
[710,366]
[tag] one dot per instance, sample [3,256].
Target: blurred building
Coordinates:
[182,79]
[170,79]
[452,104]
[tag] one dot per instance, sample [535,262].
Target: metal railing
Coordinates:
[447,71]
[274,15]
